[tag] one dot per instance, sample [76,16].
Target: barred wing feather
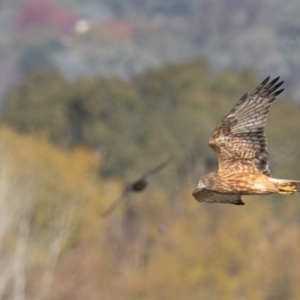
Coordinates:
[240,136]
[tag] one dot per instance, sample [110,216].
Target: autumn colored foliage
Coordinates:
[67,150]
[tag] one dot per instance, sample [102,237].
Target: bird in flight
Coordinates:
[241,147]
[136,186]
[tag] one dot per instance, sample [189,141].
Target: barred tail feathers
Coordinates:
[287,187]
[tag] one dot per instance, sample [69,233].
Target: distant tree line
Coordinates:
[135,124]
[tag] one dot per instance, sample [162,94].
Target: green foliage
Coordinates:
[169,111]
[39,106]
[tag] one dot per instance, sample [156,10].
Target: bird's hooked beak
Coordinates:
[201,185]
[199,188]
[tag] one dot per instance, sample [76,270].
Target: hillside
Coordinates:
[126,38]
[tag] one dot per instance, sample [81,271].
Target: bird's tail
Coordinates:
[287,187]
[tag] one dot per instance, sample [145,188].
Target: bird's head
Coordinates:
[206,182]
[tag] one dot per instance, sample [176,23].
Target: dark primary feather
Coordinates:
[208,196]
[246,122]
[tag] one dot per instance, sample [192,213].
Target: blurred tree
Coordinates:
[41,189]
[163,244]
[168,111]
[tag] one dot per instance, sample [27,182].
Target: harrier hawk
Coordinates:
[136,186]
[241,146]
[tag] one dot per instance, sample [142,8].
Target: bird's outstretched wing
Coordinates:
[156,169]
[240,139]
[112,207]
[212,197]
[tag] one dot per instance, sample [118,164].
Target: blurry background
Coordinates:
[94,93]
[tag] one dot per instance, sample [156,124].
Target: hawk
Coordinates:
[241,147]
[136,186]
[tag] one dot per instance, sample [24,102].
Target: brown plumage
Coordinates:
[241,146]
[138,185]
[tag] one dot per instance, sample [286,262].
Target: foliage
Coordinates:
[43,189]
[160,244]
[147,249]
[168,111]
